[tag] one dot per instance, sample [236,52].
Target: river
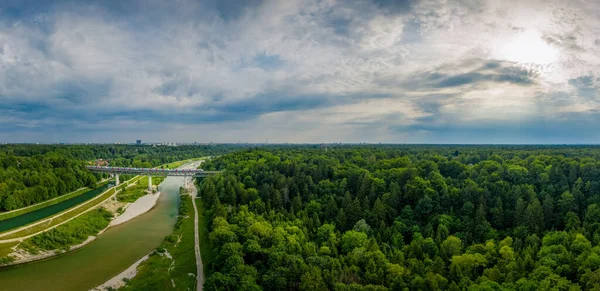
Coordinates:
[112,252]
[39,214]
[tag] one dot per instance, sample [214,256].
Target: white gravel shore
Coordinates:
[117,281]
[144,203]
[139,207]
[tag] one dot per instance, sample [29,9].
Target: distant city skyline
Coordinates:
[306,71]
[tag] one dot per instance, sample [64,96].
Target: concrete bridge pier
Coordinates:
[116,179]
[149,183]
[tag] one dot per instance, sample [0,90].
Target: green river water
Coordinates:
[51,210]
[111,253]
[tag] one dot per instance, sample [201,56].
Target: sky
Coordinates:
[306,71]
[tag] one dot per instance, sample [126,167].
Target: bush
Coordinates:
[73,232]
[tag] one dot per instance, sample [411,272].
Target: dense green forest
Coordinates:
[30,174]
[123,155]
[26,180]
[405,218]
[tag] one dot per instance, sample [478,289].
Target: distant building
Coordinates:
[138,142]
[101,162]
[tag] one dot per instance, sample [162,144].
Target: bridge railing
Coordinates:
[152,171]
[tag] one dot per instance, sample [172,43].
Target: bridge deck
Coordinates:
[153,171]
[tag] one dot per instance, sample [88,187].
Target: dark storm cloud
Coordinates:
[268,62]
[341,26]
[445,76]
[555,129]
[233,9]
[432,103]
[586,86]
[243,110]
[411,32]
[214,112]
[396,6]
[582,82]
[476,77]
[568,41]
[21,9]
[272,102]
[490,72]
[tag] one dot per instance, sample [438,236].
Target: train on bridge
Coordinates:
[152,171]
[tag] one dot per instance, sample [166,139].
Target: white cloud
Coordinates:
[191,62]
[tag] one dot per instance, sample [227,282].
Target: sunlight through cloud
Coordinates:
[528,49]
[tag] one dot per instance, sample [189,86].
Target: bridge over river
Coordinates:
[151,172]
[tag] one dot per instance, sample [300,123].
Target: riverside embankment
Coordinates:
[36,215]
[111,253]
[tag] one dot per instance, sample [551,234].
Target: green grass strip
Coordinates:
[73,232]
[206,249]
[178,164]
[132,193]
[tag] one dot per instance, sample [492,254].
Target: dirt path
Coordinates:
[199,267]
